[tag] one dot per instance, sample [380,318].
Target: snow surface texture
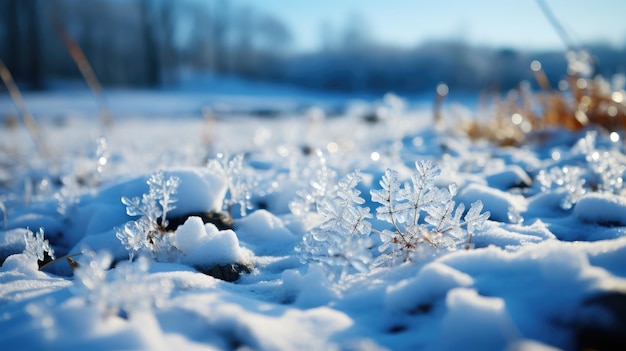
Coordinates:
[316,250]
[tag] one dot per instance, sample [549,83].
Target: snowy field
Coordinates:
[284,223]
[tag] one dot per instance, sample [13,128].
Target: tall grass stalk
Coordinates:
[87,72]
[25,114]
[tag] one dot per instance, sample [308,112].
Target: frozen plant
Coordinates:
[601,170]
[90,275]
[120,291]
[320,183]
[609,171]
[148,232]
[568,178]
[402,206]
[37,246]
[342,239]
[68,196]
[238,187]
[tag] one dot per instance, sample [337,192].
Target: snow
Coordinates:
[205,244]
[499,203]
[538,276]
[601,209]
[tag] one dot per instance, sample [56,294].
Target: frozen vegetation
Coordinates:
[375,229]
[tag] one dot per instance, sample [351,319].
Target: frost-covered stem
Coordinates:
[441,220]
[230,208]
[165,206]
[418,201]
[410,247]
[136,206]
[416,208]
[405,244]
[69,259]
[392,213]
[395,225]
[450,228]
[356,226]
[469,241]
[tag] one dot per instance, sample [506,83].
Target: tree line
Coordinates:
[146,43]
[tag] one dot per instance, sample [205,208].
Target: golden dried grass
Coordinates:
[587,102]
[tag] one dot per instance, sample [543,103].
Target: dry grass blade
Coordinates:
[87,72]
[27,117]
[5,216]
[69,258]
[555,23]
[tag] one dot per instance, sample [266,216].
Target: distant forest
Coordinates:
[147,43]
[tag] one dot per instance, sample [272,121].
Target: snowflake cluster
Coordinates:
[343,239]
[599,170]
[568,178]
[232,171]
[319,182]
[148,233]
[403,205]
[37,246]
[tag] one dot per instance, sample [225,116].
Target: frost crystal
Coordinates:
[238,186]
[600,170]
[568,178]
[609,171]
[319,182]
[148,232]
[402,207]
[163,191]
[37,246]
[121,291]
[342,239]
[475,220]
[387,196]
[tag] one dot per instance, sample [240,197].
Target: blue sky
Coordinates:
[512,23]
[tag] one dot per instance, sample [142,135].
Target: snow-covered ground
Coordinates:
[316,255]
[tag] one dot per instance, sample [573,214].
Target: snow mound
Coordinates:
[603,209]
[265,233]
[205,245]
[504,207]
[431,284]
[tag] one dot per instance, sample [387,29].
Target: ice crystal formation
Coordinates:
[147,233]
[37,246]
[231,170]
[120,291]
[344,237]
[319,183]
[403,205]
